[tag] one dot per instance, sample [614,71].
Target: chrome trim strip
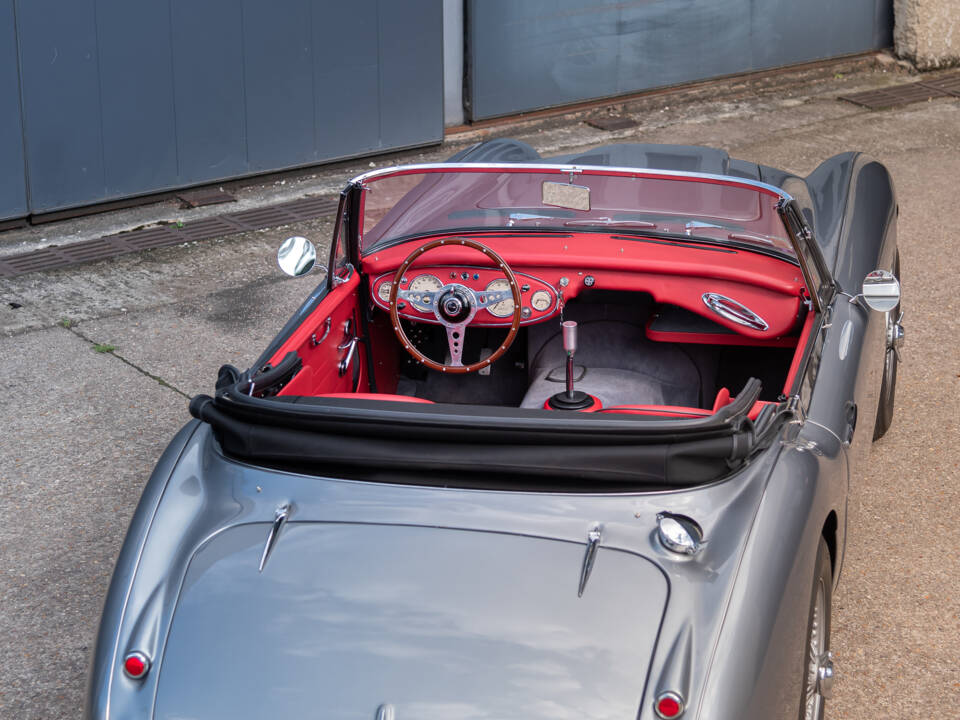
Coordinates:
[734,311]
[568,169]
[593,542]
[279,520]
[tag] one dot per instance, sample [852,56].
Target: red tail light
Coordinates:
[136,665]
[669,705]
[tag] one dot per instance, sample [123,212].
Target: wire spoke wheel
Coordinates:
[816,649]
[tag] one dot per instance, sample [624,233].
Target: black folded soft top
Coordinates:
[467,445]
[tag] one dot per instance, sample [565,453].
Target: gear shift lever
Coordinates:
[571,399]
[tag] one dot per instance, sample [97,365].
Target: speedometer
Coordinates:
[423,292]
[504,308]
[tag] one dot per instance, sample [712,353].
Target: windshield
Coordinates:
[413,204]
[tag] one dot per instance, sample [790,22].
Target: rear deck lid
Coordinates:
[438,623]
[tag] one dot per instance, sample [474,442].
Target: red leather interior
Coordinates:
[658,410]
[376,396]
[318,347]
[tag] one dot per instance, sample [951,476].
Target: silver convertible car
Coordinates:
[553,438]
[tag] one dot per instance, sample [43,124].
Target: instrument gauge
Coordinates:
[504,308]
[541,300]
[423,292]
[383,292]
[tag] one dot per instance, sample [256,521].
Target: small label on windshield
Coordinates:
[574,197]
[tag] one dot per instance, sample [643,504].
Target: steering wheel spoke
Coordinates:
[455,336]
[487,299]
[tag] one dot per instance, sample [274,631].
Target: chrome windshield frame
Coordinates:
[559,169]
[783,198]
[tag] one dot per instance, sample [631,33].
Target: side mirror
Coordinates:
[881,291]
[296,256]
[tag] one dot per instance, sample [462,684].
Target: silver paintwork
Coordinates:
[406,594]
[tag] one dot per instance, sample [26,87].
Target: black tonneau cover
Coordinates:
[464,445]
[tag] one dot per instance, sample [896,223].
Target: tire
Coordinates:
[817,646]
[889,387]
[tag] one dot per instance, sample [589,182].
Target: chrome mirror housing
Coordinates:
[296,256]
[881,290]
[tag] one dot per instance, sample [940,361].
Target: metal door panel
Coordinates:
[278,73]
[136,96]
[539,53]
[346,78]
[208,92]
[61,102]
[122,99]
[13,186]
[786,33]
[411,72]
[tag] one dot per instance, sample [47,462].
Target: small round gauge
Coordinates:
[504,308]
[540,300]
[424,285]
[383,292]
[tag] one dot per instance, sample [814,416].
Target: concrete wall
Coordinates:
[928,32]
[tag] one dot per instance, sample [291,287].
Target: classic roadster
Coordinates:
[563,438]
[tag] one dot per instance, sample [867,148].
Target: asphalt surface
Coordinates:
[97,363]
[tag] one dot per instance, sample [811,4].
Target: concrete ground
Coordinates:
[97,363]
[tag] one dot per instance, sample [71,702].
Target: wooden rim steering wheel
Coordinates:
[454,305]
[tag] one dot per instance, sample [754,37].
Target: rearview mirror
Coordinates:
[296,256]
[881,290]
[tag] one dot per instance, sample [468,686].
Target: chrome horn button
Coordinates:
[454,305]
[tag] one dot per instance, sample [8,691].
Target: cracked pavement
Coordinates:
[82,429]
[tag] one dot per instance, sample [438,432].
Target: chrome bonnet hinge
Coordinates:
[593,543]
[279,520]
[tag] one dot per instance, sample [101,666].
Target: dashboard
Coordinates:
[539,298]
[686,275]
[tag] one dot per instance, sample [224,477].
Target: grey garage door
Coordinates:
[13,190]
[122,98]
[538,53]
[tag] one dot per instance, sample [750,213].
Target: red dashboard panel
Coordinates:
[673,272]
[539,298]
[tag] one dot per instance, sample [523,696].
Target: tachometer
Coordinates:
[423,289]
[504,308]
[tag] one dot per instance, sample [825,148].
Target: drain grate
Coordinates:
[943,86]
[611,123]
[51,258]
[949,83]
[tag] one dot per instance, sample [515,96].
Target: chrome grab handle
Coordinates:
[350,346]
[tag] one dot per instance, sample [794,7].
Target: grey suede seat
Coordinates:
[615,363]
